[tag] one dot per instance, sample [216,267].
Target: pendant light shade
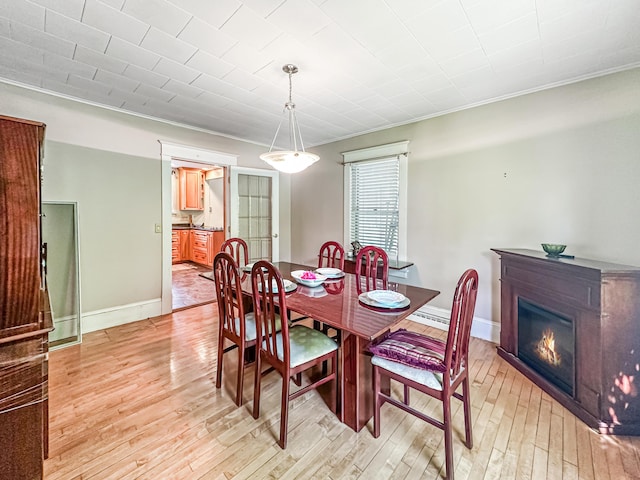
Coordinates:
[292,160]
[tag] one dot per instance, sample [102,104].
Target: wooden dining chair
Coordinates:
[234,325]
[289,351]
[431,366]
[237,248]
[331,255]
[372,269]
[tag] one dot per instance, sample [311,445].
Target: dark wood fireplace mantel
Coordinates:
[603,302]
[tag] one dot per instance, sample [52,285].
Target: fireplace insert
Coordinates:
[546,342]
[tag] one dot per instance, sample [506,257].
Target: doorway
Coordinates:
[171,152]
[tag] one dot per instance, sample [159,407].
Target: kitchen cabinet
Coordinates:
[217,238]
[25,319]
[185,245]
[201,247]
[191,191]
[175,247]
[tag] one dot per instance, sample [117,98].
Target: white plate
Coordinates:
[386,297]
[330,272]
[288,285]
[364,298]
[297,276]
[248,267]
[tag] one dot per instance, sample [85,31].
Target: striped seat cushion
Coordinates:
[411,348]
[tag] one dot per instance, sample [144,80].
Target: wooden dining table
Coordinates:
[336,304]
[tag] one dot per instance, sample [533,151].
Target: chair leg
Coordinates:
[284,413]
[256,385]
[220,356]
[406,395]
[448,440]
[377,402]
[334,372]
[240,378]
[467,413]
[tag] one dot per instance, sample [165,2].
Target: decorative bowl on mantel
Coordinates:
[553,249]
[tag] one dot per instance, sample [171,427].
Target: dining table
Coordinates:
[338,304]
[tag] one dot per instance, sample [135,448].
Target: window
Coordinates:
[375,198]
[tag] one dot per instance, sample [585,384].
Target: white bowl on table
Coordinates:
[315,281]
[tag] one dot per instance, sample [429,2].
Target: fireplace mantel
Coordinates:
[603,301]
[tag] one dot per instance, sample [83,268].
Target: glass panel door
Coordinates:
[254,211]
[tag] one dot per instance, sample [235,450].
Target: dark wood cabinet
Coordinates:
[602,303]
[24,314]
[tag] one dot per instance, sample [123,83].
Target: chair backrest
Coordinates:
[268,303]
[237,248]
[228,287]
[372,269]
[331,255]
[464,304]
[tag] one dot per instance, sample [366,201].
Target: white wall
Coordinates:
[560,166]
[109,162]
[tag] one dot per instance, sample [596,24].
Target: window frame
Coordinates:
[399,150]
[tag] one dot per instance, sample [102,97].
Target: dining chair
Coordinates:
[430,366]
[234,325]
[372,269]
[289,351]
[331,255]
[237,248]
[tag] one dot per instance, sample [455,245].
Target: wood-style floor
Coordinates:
[188,288]
[139,401]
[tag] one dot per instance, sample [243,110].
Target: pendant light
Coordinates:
[292,160]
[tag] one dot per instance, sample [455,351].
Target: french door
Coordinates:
[254,211]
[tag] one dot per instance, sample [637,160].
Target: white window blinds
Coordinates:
[374,203]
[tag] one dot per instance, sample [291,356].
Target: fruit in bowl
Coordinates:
[308,278]
[553,249]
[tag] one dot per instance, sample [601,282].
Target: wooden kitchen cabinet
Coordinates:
[191,190]
[25,320]
[201,247]
[175,247]
[185,245]
[217,238]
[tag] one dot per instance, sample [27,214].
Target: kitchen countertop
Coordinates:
[178,226]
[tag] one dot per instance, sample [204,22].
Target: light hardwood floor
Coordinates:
[139,401]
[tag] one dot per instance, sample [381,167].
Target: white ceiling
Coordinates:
[364,64]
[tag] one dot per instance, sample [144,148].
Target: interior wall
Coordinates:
[558,166]
[118,204]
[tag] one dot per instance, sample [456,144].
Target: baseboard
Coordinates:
[439,318]
[111,317]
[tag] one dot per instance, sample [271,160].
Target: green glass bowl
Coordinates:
[553,249]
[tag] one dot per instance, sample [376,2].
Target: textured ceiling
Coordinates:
[364,64]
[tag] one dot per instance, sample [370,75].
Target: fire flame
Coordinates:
[547,348]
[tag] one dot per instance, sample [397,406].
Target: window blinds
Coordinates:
[374,203]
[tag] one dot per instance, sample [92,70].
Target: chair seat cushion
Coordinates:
[419,375]
[251,331]
[305,344]
[412,349]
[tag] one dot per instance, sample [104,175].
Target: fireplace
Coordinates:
[572,327]
[546,343]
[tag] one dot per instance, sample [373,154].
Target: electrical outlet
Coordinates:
[158,228]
